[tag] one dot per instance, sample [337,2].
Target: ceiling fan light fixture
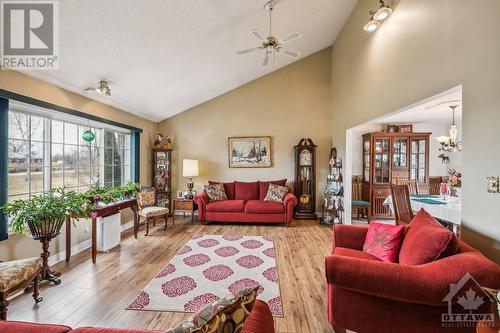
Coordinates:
[371,26]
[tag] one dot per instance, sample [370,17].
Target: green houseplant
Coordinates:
[42,217]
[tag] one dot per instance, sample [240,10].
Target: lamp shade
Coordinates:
[189,168]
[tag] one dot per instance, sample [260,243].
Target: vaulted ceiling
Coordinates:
[163,57]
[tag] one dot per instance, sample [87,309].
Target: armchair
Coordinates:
[365,294]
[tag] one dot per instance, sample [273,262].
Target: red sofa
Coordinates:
[365,294]
[259,321]
[246,204]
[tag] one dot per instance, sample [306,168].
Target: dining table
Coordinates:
[447,210]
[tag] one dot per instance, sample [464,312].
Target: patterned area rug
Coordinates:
[211,267]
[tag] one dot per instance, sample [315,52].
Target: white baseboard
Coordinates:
[61,256]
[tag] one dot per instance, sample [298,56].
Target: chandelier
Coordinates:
[450,144]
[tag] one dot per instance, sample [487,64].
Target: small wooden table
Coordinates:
[107,210]
[183,206]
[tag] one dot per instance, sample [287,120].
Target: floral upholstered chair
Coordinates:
[15,275]
[147,209]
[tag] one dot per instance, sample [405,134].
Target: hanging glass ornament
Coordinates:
[88,136]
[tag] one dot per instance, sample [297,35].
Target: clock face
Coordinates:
[305,158]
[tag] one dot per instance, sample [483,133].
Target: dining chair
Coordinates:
[434,184]
[401,204]
[146,199]
[411,183]
[363,208]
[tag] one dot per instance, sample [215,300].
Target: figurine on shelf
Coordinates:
[168,143]
[159,138]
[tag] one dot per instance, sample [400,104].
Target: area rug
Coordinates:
[211,267]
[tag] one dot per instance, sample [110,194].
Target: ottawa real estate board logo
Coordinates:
[29,35]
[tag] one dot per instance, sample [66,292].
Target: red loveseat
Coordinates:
[245,203]
[365,294]
[259,321]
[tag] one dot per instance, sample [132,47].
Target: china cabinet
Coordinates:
[162,176]
[387,157]
[305,180]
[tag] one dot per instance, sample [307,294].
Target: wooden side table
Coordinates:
[184,206]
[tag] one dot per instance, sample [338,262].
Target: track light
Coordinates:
[378,17]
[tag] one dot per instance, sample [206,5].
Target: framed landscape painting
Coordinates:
[249,152]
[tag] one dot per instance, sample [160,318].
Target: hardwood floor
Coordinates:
[97,295]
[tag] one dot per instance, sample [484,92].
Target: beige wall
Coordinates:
[424,48]
[20,246]
[288,104]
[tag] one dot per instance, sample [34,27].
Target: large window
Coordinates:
[46,150]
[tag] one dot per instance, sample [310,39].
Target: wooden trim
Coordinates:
[29,100]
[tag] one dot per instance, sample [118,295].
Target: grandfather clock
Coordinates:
[305,180]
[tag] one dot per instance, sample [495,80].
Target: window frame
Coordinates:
[55,112]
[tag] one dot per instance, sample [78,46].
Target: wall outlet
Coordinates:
[493,184]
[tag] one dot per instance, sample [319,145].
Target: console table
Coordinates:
[106,210]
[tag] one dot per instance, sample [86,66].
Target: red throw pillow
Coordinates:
[383,241]
[264,186]
[228,187]
[246,191]
[426,241]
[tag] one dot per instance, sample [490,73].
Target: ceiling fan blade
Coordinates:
[249,50]
[292,54]
[258,34]
[290,37]
[266,59]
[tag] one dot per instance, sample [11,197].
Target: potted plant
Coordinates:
[42,217]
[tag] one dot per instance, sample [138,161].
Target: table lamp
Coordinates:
[190,169]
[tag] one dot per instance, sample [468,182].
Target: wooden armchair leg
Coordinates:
[147,226]
[3,306]
[36,284]
[166,221]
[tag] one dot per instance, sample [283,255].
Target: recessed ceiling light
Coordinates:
[382,13]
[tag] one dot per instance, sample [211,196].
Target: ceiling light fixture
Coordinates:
[377,17]
[449,144]
[102,88]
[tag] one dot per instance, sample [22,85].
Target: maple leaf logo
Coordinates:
[470,301]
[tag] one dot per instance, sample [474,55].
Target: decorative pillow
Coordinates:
[228,187]
[383,241]
[216,192]
[426,241]
[264,186]
[276,193]
[225,315]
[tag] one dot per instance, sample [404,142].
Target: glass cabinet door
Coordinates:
[366,160]
[381,160]
[418,166]
[400,153]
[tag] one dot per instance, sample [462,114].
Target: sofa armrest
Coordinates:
[290,201]
[201,200]
[260,319]
[424,284]
[350,236]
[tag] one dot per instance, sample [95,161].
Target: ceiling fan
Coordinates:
[102,88]
[273,45]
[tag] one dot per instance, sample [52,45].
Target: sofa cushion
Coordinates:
[264,207]
[264,186]
[226,206]
[109,330]
[384,241]
[228,187]
[426,241]
[22,327]
[353,253]
[246,191]
[216,192]
[260,319]
[276,193]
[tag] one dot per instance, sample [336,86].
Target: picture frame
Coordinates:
[392,128]
[249,152]
[405,128]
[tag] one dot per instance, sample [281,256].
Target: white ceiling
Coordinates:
[163,57]
[435,110]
